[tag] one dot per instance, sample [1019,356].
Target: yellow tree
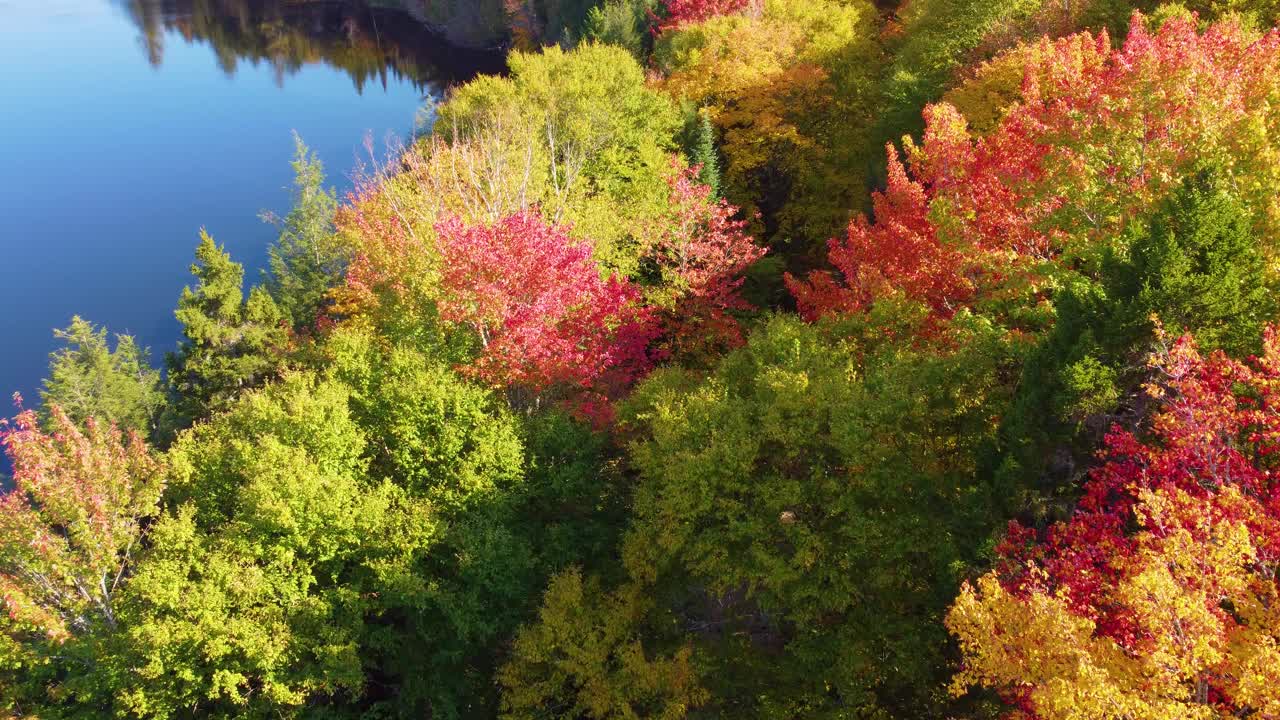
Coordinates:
[1158,598]
[790,88]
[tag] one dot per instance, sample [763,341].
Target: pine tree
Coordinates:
[307,259]
[1199,267]
[231,343]
[87,379]
[700,148]
[624,23]
[1195,267]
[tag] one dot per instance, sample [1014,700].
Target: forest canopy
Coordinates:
[719,359]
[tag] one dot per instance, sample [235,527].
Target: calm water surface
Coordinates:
[127,125]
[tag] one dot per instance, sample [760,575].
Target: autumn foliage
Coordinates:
[703,250]
[534,295]
[71,523]
[537,303]
[1097,137]
[389,259]
[527,427]
[683,12]
[1157,598]
[900,252]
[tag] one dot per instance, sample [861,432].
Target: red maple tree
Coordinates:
[537,303]
[684,12]
[1098,137]
[900,251]
[1166,568]
[71,522]
[704,250]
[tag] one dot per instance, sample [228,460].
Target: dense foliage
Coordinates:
[1156,599]
[790,88]
[88,379]
[567,411]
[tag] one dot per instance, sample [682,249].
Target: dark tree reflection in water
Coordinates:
[367,43]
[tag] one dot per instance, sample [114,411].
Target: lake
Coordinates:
[127,125]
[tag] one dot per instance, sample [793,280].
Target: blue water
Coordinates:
[113,153]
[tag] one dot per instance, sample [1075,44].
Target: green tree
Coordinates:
[575,507]
[624,23]
[307,259]
[438,436]
[1199,267]
[799,522]
[563,20]
[700,148]
[442,438]
[516,498]
[584,656]
[260,584]
[89,379]
[230,343]
[1196,266]
[579,134]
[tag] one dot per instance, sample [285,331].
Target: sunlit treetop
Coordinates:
[70,524]
[682,12]
[536,301]
[1098,137]
[1157,598]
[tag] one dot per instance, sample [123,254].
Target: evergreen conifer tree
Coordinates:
[307,259]
[701,151]
[1195,267]
[87,379]
[231,343]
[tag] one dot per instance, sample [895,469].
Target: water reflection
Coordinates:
[367,43]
